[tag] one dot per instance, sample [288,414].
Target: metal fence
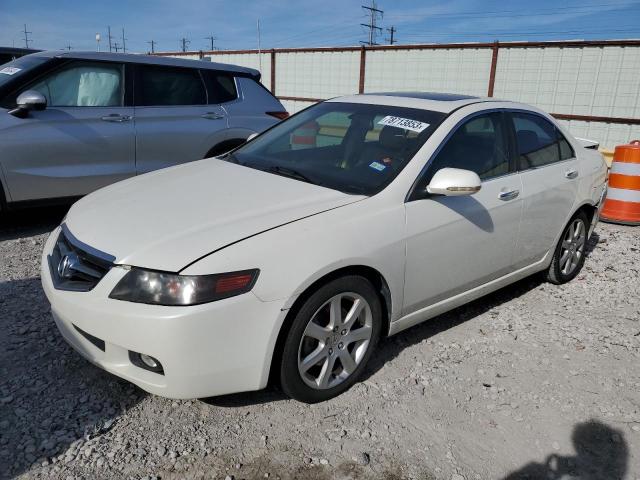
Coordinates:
[591,86]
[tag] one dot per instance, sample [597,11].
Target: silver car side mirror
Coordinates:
[27,101]
[454,182]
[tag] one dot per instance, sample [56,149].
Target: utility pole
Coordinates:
[184,43]
[26,36]
[153,45]
[259,46]
[211,38]
[109,37]
[67,47]
[116,46]
[124,42]
[374,13]
[392,32]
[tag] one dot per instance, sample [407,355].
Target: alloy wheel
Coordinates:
[573,246]
[335,341]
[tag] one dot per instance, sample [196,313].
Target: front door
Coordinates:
[457,243]
[82,141]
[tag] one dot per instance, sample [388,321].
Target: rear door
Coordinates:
[174,122]
[82,141]
[549,171]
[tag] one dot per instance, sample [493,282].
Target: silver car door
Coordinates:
[174,123]
[82,141]
[457,243]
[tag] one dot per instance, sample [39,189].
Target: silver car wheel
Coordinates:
[335,340]
[573,246]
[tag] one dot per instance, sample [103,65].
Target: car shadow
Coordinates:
[50,397]
[27,222]
[601,454]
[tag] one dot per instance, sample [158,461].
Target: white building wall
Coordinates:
[317,74]
[463,71]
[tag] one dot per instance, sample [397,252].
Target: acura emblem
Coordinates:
[68,264]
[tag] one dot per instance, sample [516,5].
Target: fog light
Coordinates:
[149,361]
[146,362]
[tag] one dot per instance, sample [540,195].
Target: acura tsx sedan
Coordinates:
[289,258]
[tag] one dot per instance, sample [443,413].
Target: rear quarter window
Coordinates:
[221,86]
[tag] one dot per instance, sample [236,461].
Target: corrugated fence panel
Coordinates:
[294,106]
[600,81]
[608,134]
[443,70]
[317,74]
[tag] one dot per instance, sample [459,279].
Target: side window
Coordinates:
[566,150]
[538,141]
[158,86]
[479,145]
[83,84]
[221,86]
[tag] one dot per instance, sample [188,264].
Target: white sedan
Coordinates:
[292,256]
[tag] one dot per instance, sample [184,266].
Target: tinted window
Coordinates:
[479,145]
[19,67]
[538,141]
[355,148]
[82,84]
[169,86]
[566,150]
[220,86]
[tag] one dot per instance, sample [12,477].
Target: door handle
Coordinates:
[509,195]
[116,118]
[212,116]
[571,173]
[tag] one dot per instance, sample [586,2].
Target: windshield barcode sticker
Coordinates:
[404,123]
[10,70]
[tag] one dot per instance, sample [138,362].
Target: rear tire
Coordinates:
[331,340]
[570,252]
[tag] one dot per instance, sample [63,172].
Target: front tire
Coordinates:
[331,340]
[569,255]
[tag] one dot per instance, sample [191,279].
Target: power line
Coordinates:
[26,36]
[124,42]
[109,37]
[391,38]
[211,38]
[374,13]
[153,44]
[184,43]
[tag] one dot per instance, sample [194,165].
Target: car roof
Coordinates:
[149,60]
[435,101]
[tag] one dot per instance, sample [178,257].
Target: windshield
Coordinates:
[18,67]
[354,148]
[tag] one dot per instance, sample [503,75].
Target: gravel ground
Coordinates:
[535,380]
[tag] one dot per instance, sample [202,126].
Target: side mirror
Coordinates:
[454,182]
[251,137]
[27,101]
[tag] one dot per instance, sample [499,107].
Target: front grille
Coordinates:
[75,266]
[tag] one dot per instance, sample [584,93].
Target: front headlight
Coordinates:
[160,288]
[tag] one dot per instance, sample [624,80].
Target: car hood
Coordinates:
[169,218]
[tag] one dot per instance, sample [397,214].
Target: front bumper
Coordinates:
[205,350]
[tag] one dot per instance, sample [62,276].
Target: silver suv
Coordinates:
[73,122]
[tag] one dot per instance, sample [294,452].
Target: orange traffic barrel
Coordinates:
[622,204]
[305,136]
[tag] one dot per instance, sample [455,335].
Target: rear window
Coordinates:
[158,86]
[221,86]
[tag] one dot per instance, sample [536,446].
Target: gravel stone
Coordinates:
[516,382]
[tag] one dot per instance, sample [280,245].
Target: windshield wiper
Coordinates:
[290,173]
